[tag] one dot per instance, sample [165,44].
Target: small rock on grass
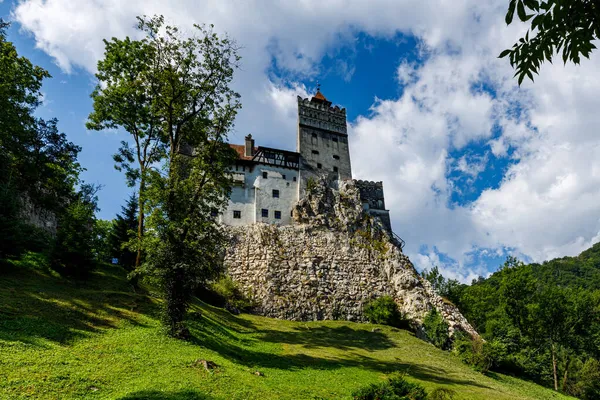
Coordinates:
[208,365]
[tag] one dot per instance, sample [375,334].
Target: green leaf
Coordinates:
[511,12]
[504,53]
[521,11]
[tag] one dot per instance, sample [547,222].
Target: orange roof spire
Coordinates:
[319,95]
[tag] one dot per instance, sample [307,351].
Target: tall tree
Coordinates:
[127,98]
[121,235]
[38,165]
[570,25]
[187,97]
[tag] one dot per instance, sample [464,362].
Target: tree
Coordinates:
[38,165]
[436,329]
[183,92]
[101,240]
[127,99]
[123,232]
[570,25]
[448,288]
[73,252]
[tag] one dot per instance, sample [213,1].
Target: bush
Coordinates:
[396,388]
[384,311]
[436,329]
[442,394]
[226,293]
[478,354]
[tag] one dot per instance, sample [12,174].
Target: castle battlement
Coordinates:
[306,102]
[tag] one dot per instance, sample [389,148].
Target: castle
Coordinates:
[269,182]
[300,245]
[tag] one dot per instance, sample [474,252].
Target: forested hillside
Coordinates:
[540,321]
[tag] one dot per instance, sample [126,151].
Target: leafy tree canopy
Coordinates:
[566,27]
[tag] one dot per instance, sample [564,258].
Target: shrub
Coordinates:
[478,354]
[384,311]
[442,394]
[396,388]
[436,329]
[229,295]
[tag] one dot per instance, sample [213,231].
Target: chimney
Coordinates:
[249,146]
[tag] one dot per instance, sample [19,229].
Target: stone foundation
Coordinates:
[330,268]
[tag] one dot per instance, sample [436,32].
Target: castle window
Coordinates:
[265,213]
[214,212]
[336,157]
[334,139]
[319,165]
[294,179]
[315,152]
[277,214]
[275,193]
[237,214]
[283,177]
[314,135]
[265,175]
[291,213]
[335,169]
[313,139]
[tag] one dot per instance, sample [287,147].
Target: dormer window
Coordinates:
[265,175]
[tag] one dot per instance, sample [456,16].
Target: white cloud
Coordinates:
[547,203]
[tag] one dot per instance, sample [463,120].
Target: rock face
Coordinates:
[333,261]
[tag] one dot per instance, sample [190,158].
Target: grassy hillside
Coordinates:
[98,339]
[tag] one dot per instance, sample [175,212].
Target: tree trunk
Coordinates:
[565,376]
[554,368]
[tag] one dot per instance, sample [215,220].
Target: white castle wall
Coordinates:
[255,193]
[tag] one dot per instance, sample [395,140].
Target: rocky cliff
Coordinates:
[328,265]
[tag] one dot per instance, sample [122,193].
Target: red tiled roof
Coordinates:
[320,96]
[241,150]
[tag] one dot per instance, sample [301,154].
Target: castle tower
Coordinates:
[322,140]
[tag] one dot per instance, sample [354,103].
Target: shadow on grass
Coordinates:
[214,335]
[341,338]
[157,395]
[37,305]
[433,374]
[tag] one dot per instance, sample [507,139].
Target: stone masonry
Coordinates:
[329,264]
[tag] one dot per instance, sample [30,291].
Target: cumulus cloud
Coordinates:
[459,94]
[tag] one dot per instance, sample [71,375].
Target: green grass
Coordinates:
[98,339]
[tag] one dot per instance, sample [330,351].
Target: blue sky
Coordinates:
[474,167]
